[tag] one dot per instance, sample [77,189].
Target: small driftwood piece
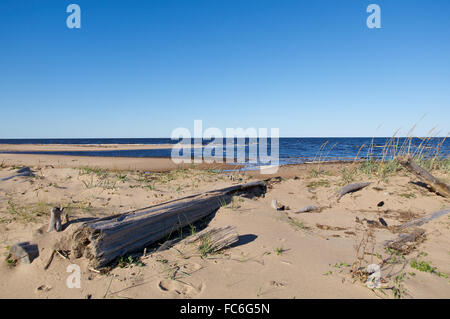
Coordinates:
[55,219]
[216,238]
[403,239]
[424,220]
[49,260]
[308,209]
[435,184]
[350,188]
[103,240]
[24,252]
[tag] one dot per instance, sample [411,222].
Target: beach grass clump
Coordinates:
[348,175]
[279,251]
[108,184]
[121,177]
[100,173]
[296,224]
[319,183]
[378,168]
[206,246]
[407,195]
[380,160]
[434,164]
[314,173]
[26,213]
[89,183]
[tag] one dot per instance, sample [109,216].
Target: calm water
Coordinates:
[291,150]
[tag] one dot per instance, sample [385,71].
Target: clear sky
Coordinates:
[143,68]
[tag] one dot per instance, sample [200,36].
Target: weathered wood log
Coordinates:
[424,220]
[55,219]
[403,239]
[350,188]
[308,209]
[434,183]
[24,252]
[215,239]
[103,240]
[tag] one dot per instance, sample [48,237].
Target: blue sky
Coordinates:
[143,68]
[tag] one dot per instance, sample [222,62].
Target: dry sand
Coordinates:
[280,254]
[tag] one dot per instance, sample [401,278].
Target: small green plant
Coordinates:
[11,263]
[150,186]
[193,229]
[398,289]
[90,183]
[422,266]
[129,261]
[279,251]
[259,293]
[122,178]
[426,267]
[101,173]
[341,265]
[392,251]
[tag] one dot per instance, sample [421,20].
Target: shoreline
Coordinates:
[81,147]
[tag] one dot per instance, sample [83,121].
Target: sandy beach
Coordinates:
[112,163]
[280,253]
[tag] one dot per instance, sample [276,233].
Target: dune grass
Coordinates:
[379,161]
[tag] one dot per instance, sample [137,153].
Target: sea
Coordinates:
[288,150]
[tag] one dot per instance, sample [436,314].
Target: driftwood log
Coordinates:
[216,238]
[103,240]
[351,188]
[24,252]
[55,219]
[416,234]
[435,184]
[401,243]
[308,209]
[424,220]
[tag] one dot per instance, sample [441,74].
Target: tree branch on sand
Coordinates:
[434,183]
